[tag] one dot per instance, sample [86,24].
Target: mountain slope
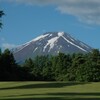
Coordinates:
[50,43]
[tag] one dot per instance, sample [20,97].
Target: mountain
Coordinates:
[50,43]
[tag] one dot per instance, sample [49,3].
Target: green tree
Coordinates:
[77,61]
[61,63]
[86,67]
[8,66]
[95,55]
[47,70]
[28,68]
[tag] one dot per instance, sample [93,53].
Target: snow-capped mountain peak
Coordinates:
[60,34]
[50,43]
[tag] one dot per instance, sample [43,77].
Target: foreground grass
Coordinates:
[49,91]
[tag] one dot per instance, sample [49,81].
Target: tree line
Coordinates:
[9,69]
[62,67]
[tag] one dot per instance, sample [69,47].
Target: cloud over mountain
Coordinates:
[87,11]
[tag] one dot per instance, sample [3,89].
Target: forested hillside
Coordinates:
[70,67]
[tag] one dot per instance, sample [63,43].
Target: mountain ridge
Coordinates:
[50,43]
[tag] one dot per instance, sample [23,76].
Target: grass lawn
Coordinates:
[49,91]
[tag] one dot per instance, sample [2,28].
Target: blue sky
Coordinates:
[27,19]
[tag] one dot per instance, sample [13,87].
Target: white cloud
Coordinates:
[4,44]
[87,11]
[8,46]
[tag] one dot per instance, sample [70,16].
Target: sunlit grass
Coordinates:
[49,91]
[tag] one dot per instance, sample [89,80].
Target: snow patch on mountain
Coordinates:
[60,34]
[35,49]
[40,37]
[68,46]
[51,43]
[72,39]
[74,44]
[28,43]
[60,46]
[50,35]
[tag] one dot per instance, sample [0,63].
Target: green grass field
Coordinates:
[49,91]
